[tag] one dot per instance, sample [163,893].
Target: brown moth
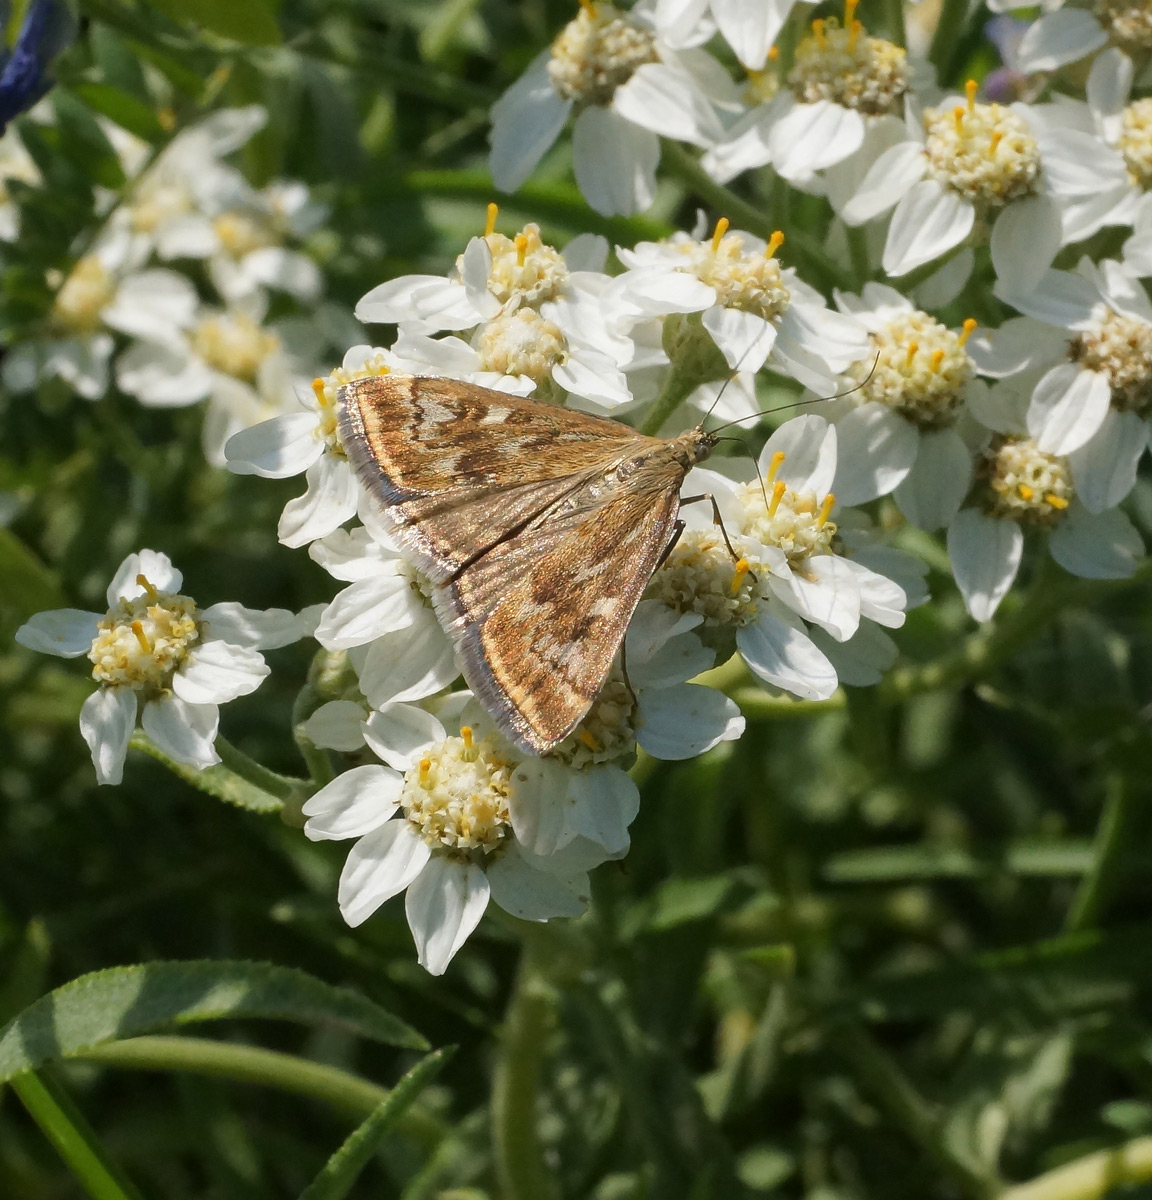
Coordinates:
[539,528]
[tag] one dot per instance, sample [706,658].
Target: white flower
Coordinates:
[155,652]
[627,89]
[1094,406]
[16,166]
[750,29]
[446,820]
[1063,35]
[790,569]
[899,432]
[999,163]
[755,310]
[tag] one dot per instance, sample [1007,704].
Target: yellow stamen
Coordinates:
[850,12]
[1060,502]
[969,329]
[490,224]
[826,508]
[718,233]
[142,581]
[854,32]
[775,464]
[773,53]
[1025,492]
[778,490]
[937,359]
[589,740]
[774,244]
[913,348]
[425,767]
[818,33]
[958,116]
[141,636]
[318,392]
[466,734]
[739,574]
[588,7]
[970,91]
[995,140]
[521,249]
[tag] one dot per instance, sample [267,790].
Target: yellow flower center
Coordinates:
[1128,22]
[795,522]
[524,268]
[521,343]
[83,296]
[142,642]
[596,53]
[240,233]
[700,576]
[752,281]
[158,200]
[607,733]
[1024,483]
[234,344]
[1119,347]
[327,393]
[849,68]
[1135,142]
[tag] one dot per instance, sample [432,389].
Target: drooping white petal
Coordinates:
[157,568]
[216,672]
[985,553]
[353,804]
[1107,89]
[285,271]
[408,664]
[1018,344]
[810,137]
[367,609]
[935,488]
[824,592]
[685,720]
[1062,298]
[336,726]
[1096,545]
[526,120]
[1025,239]
[928,222]
[163,376]
[902,569]
[440,303]
[833,337]
[183,731]
[750,27]
[330,499]
[603,802]
[522,885]
[400,733]
[107,719]
[886,182]
[614,162]
[654,291]
[153,304]
[881,599]
[666,100]
[1058,38]
[589,375]
[67,632]
[808,444]
[947,281]
[586,252]
[538,803]
[1077,163]
[745,339]
[443,905]
[381,865]
[862,660]
[259,629]
[1123,291]
[277,448]
[786,658]
[1068,406]
[1104,468]
[875,450]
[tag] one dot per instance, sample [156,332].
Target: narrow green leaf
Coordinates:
[892,864]
[26,584]
[122,108]
[124,1001]
[250,21]
[342,1169]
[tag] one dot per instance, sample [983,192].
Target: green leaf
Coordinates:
[250,21]
[124,1001]
[122,108]
[26,584]
[342,1169]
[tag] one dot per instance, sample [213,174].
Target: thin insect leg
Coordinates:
[717,519]
[624,671]
[677,530]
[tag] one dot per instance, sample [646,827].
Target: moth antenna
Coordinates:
[755,463]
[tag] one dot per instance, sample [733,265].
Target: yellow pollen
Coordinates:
[775,465]
[589,740]
[490,224]
[818,33]
[142,580]
[969,328]
[318,392]
[850,11]
[778,490]
[774,244]
[738,575]
[958,116]
[1024,491]
[913,347]
[141,637]
[466,736]
[826,508]
[970,91]
[854,31]
[994,140]
[774,54]
[1056,501]
[521,249]
[718,233]
[425,767]
[937,359]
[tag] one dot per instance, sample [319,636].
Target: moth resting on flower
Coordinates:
[539,528]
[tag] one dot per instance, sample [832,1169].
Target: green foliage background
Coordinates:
[895,945]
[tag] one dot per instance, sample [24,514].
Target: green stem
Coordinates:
[949,27]
[329,676]
[858,252]
[75,1141]
[520,1164]
[1091,1177]
[281,786]
[267,1068]
[759,705]
[891,1088]
[1112,844]
[681,381]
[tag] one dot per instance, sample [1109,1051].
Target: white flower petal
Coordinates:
[786,658]
[1058,38]
[353,804]
[277,448]
[1025,239]
[886,182]
[1079,164]
[750,27]
[381,865]
[520,887]
[67,632]
[1068,406]
[441,302]
[824,591]
[808,444]
[183,731]
[666,100]
[1061,298]
[216,672]
[153,304]
[985,554]
[928,222]
[1107,89]
[948,281]
[614,162]
[157,568]
[875,450]
[685,720]
[443,905]
[538,803]
[526,120]
[400,733]
[259,629]
[810,137]
[336,726]
[163,377]
[107,719]
[881,599]
[745,339]
[408,664]
[1104,468]
[285,271]
[1096,545]
[366,610]
[862,660]
[935,488]
[328,502]
[603,802]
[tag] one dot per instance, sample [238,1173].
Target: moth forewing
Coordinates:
[538,526]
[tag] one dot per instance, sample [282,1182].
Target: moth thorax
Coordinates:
[692,447]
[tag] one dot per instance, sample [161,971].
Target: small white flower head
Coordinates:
[598,51]
[1024,483]
[846,66]
[83,295]
[155,651]
[1118,346]
[524,269]
[1128,23]
[1135,141]
[233,343]
[522,343]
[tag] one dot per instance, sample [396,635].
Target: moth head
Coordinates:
[693,447]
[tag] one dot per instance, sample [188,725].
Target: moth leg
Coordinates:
[717,519]
[624,671]
[677,530]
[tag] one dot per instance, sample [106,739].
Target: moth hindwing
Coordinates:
[539,528]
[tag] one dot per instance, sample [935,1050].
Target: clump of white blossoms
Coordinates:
[899,432]
[627,89]
[1061,35]
[157,655]
[975,168]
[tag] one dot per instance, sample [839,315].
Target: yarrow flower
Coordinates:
[155,654]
